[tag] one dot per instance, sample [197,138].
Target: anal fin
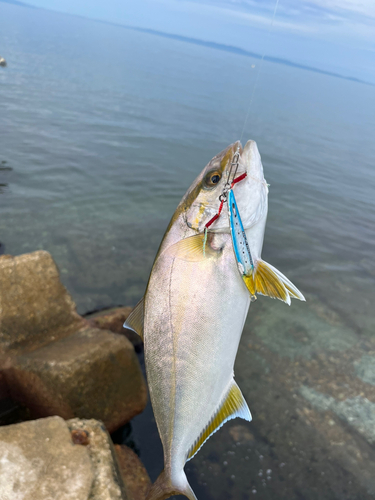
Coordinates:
[234,405]
[135,319]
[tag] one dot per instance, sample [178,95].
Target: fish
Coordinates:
[196,302]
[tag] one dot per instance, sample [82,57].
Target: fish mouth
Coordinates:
[235,164]
[251,160]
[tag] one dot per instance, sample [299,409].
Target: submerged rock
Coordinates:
[3,62]
[365,369]
[358,412]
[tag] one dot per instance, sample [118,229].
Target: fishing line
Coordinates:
[259,70]
[235,160]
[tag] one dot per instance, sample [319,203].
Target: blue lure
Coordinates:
[241,247]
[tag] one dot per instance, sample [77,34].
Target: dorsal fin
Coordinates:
[234,405]
[267,280]
[191,249]
[135,319]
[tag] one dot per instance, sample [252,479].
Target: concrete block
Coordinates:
[35,307]
[90,374]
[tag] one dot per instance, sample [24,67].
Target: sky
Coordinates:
[333,35]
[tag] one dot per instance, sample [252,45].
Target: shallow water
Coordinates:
[102,131]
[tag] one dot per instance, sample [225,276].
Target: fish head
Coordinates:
[251,192]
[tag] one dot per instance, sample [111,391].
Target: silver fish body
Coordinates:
[194,311]
[194,317]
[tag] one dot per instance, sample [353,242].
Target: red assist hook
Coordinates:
[223,198]
[224,195]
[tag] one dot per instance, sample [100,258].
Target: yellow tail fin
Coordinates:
[163,488]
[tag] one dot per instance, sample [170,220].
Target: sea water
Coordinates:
[103,129]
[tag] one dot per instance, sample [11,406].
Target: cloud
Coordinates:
[341,21]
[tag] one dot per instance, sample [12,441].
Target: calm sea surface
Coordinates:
[102,130]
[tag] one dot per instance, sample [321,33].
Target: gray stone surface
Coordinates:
[38,461]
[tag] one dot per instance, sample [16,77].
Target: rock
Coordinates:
[241,434]
[107,481]
[365,369]
[137,481]
[35,306]
[51,360]
[92,373]
[3,62]
[40,462]
[357,412]
[113,320]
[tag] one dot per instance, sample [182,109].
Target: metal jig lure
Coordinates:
[240,244]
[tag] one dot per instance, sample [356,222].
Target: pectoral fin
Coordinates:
[267,280]
[234,405]
[191,249]
[135,319]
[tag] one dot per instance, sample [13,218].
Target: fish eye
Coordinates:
[212,179]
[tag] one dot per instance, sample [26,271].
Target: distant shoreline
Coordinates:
[205,43]
[242,52]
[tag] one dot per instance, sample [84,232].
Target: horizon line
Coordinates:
[204,43]
[239,51]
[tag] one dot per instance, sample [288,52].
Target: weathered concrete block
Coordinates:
[107,482]
[38,461]
[35,307]
[51,361]
[137,481]
[90,374]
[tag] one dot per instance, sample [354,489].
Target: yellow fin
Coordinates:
[164,488]
[270,281]
[135,319]
[191,249]
[234,405]
[250,284]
